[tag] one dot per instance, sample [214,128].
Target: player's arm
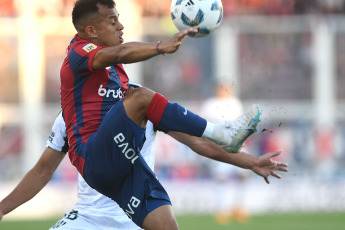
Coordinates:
[33,181]
[263,165]
[132,52]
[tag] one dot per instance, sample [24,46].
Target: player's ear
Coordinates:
[90,32]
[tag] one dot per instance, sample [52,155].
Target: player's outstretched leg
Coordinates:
[142,104]
[232,135]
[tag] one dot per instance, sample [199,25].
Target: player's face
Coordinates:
[109,29]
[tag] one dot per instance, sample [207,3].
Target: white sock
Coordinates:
[208,130]
[215,133]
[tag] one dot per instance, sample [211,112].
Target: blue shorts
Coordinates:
[115,167]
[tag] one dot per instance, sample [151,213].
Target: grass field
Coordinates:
[324,221]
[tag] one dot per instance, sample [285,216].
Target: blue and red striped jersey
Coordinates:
[87,94]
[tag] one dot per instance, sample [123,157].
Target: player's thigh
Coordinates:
[73,221]
[141,192]
[136,104]
[161,218]
[112,150]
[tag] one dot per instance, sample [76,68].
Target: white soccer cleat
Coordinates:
[240,129]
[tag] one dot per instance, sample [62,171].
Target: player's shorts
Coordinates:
[114,167]
[76,220]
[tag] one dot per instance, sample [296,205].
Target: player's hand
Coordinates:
[172,45]
[266,166]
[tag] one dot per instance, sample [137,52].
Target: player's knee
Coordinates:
[143,94]
[162,224]
[141,97]
[169,223]
[162,218]
[172,224]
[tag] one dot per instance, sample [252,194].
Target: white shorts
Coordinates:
[74,220]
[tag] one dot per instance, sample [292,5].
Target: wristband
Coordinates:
[158,49]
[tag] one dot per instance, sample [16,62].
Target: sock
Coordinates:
[208,130]
[173,117]
[156,108]
[214,132]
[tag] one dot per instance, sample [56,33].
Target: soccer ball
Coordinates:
[204,15]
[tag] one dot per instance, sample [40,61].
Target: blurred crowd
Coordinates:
[9,8]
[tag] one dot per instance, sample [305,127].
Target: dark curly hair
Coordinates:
[84,8]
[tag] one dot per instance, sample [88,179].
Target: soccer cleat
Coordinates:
[239,130]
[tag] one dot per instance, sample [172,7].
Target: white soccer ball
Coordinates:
[203,15]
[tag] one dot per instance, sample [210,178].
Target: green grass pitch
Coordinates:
[316,221]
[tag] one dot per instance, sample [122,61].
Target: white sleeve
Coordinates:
[58,138]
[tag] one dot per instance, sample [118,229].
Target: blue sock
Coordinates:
[177,118]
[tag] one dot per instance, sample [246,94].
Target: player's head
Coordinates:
[224,90]
[97,21]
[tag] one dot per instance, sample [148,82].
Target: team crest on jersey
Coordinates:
[89,47]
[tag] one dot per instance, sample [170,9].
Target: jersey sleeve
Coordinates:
[57,140]
[81,57]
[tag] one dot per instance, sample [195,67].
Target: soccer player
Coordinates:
[93,211]
[97,212]
[106,134]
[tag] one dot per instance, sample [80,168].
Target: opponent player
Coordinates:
[97,212]
[93,211]
[106,134]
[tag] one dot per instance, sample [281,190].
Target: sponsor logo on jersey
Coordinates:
[115,93]
[89,47]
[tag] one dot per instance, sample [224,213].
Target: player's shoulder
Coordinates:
[59,123]
[84,47]
[59,118]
